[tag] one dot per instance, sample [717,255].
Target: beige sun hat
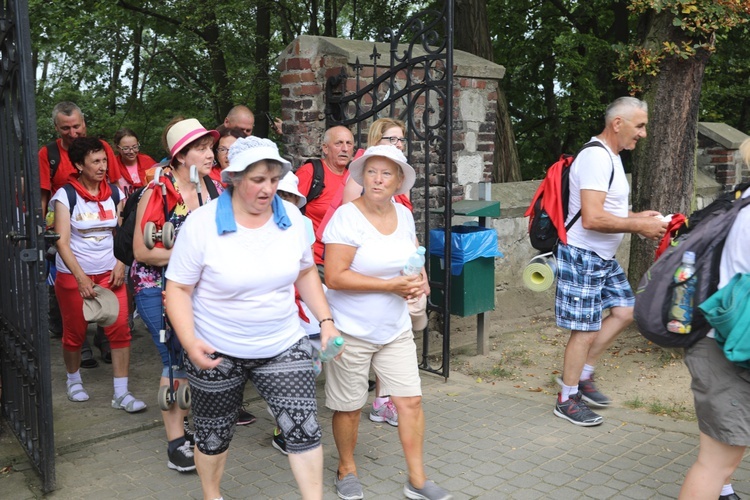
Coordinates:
[357,167]
[102,309]
[186,131]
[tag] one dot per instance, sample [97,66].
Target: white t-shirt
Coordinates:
[377,317]
[243,301]
[91,239]
[735,258]
[592,170]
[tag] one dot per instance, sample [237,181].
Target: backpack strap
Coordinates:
[53,156]
[611,178]
[211,187]
[317,185]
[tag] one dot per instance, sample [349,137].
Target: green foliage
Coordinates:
[559,58]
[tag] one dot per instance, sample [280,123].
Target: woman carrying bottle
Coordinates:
[367,244]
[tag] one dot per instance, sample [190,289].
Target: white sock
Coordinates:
[587,372]
[567,391]
[727,490]
[74,377]
[121,386]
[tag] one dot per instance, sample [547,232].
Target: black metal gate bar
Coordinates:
[24,339]
[427,97]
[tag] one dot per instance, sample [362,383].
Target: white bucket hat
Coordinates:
[357,167]
[248,150]
[184,132]
[102,309]
[289,184]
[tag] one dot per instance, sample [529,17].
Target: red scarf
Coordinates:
[676,223]
[155,208]
[105,192]
[141,161]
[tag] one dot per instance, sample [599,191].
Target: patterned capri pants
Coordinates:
[286,382]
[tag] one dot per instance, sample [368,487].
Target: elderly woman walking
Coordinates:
[230,297]
[85,216]
[367,244]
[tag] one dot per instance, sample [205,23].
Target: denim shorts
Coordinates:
[148,303]
[586,286]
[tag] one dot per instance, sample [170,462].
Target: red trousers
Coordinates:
[71,307]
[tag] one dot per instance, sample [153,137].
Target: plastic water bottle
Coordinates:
[681,311]
[415,263]
[332,350]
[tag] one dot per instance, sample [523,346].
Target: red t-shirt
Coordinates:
[65,169]
[317,208]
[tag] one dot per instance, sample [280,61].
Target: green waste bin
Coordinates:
[473,288]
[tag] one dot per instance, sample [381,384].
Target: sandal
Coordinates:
[133,406]
[72,392]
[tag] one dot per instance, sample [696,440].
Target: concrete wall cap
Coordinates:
[723,134]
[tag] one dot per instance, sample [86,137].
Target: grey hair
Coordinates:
[236,177]
[623,106]
[66,108]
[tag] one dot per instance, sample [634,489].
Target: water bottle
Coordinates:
[415,263]
[681,311]
[332,350]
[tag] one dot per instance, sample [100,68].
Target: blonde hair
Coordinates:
[745,151]
[378,128]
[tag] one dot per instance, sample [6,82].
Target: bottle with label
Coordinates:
[681,310]
[415,263]
[334,347]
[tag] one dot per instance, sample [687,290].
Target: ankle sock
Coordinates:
[587,373]
[567,391]
[121,386]
[727,490]
[378,402]
[175,443]
[74,377]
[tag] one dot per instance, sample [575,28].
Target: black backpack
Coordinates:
[704,233]
[542,232]
[316,186]
[123,244]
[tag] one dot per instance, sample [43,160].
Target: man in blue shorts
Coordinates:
[589,279]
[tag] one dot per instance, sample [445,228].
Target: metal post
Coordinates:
[483,341]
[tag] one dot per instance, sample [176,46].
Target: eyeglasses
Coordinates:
[395,140]
[222,150]
[130,149]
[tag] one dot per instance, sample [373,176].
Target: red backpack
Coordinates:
[549,206]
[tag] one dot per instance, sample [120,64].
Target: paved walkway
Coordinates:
[482,441]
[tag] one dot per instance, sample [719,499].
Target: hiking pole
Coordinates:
[195,179]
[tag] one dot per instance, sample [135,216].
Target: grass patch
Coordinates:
[634,403]
[656,407]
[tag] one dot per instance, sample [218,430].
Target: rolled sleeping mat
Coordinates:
[540,272]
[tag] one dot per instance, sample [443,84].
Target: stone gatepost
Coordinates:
[308,62]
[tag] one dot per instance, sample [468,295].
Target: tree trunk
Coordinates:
[473,35]
[664,162]
[222,94]
[262,44]
[137,42]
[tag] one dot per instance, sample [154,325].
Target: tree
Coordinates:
[675,40]
[473,36]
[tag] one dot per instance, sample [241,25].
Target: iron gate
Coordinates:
[416,86]
[24,339]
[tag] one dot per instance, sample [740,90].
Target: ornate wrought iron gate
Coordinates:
[24,339]
[416,86]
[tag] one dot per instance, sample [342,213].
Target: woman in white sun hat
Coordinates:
[230,297]
[367,243]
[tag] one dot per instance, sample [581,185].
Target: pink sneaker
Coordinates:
[386,413]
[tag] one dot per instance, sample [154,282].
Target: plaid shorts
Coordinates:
[586,285]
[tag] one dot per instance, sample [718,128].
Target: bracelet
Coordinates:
[320,323]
